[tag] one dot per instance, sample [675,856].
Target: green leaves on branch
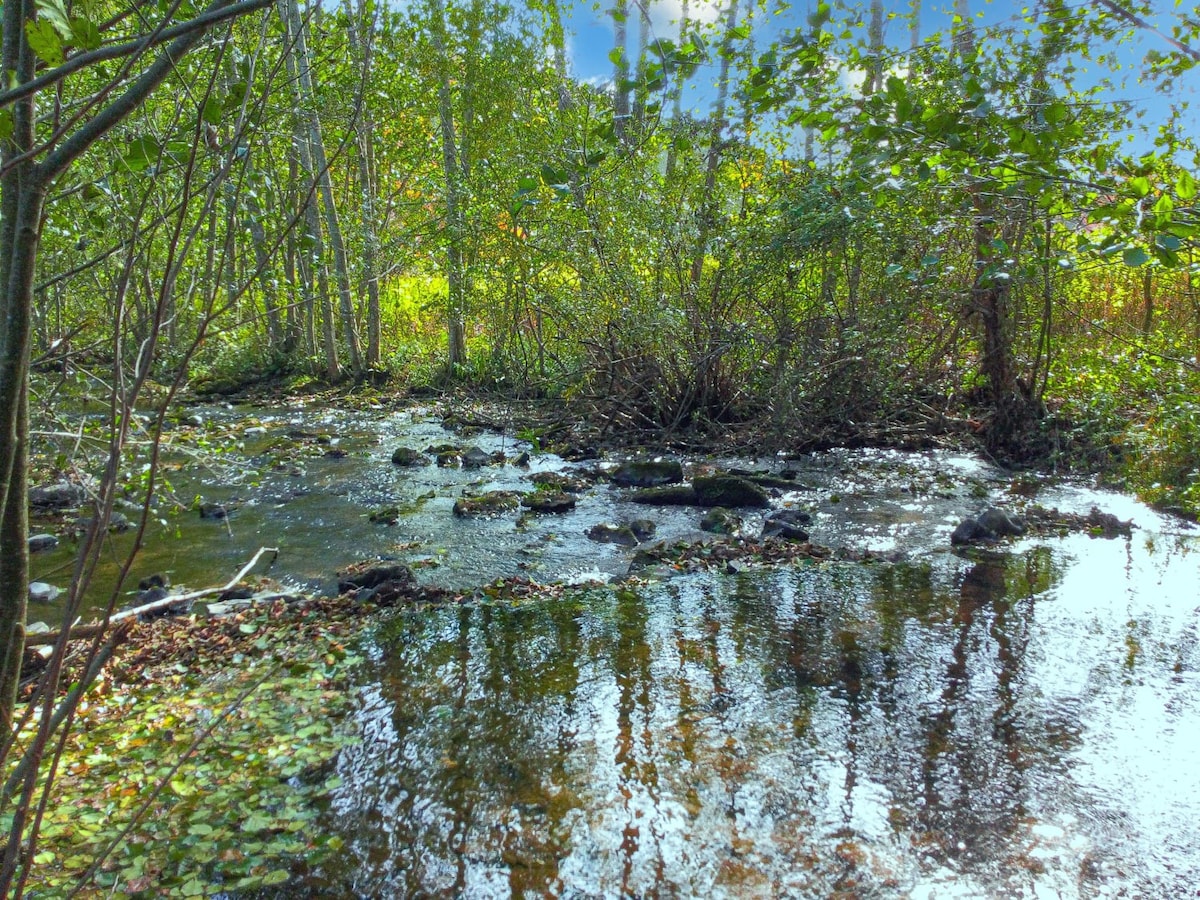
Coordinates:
[54,30]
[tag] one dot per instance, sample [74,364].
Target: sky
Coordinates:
[590,39]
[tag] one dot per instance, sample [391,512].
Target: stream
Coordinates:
[1020,720]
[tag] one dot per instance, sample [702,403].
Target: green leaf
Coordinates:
[84,33]
[6,124]
[44,41]
[1140,185]
[211,113]
[1134,257]
[55,13]
[276,876]
[1185,186]
[142,153]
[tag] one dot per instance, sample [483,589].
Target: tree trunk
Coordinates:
[620,15]
[456,354]
[289,12]
[360,33]
[316,145]
[708,207]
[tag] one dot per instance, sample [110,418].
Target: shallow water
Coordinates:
[1019,725]
[1022,721]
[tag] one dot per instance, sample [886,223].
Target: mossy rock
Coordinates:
[387,515]
[549,501]
[489,504]
[407,456]
[572,484]
[613,534]
[667,495]
[729,491]
[719,520]
[646,473]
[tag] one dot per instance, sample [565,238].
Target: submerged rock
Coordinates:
[491,503]
[373,575]
[572,484]
[719,520]
[39,542]
[668,495]
[645,473]
[40,592]
[643,529]
[990,525]
[408,457]
[549,501]
[605,533]
[787,524]
[216,510]
[386,515]
[475,458]
[60,495]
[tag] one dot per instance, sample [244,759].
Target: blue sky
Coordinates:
[591,39]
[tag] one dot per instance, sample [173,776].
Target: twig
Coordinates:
[86,630]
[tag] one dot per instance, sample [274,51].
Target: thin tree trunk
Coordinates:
[320,164]
[303,144]
[456,232]
[620,15]
[361,44]
[708,206]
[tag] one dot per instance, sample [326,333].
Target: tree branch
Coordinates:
[219,12]
[116,111]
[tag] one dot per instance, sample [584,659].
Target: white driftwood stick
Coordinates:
[49,637]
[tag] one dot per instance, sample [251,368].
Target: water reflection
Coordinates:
[868,731]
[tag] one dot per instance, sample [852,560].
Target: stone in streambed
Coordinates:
[549,501]
[408,457]
[729,491]
[719,520]
[990,525]
[61,495]
[668,495]
[788,524]
[646,473]
[39,542]
[605,533]
[491,503]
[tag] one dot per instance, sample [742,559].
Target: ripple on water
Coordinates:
[918,730]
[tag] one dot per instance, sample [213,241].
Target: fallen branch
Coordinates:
[50,637]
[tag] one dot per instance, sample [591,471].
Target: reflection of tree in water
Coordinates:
[806,725]
[971,739]
[471,782]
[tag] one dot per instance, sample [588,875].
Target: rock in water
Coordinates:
[549,501]
[490,503]
[648,473]
[787,524]
[1000,523]
[39,542]
[729,491]
[613,534]
[990,525]
[407,456]
[643,529]
[62,495]
[719,520]
[667,495]
[40,592]
[374,576]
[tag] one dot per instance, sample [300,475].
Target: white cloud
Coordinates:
[665,14]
